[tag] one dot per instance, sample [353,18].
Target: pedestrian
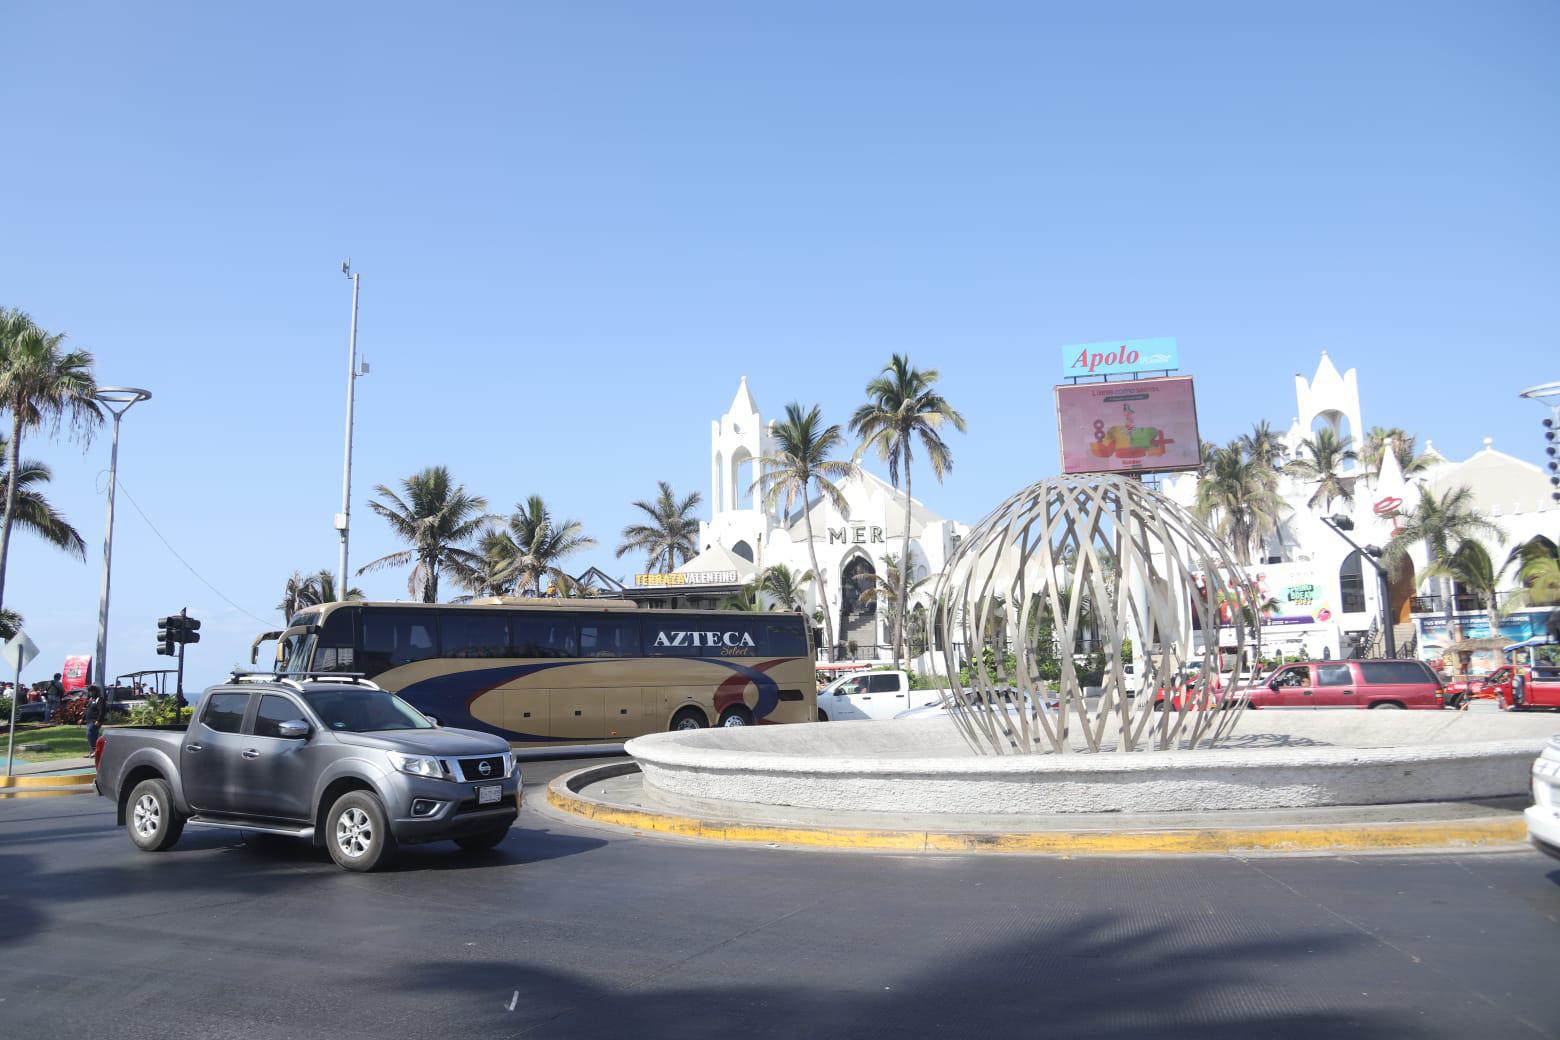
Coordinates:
[97,713]
[53,693]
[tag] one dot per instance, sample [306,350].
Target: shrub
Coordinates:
[5,710]
[158,711]
[71,712]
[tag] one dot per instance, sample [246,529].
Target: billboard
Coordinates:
[1144,425]
[1119,357]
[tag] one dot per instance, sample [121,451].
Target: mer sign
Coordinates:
[1119,357]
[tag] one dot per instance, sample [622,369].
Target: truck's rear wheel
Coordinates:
[357,832]
[153,822]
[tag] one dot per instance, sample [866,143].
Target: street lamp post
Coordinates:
[1369,553]
[344,518]
[118,400]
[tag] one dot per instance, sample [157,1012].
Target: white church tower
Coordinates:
[737,438]
[1328,400]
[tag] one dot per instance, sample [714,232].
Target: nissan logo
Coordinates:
[484,768]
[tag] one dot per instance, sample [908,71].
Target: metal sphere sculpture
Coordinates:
[1105,557]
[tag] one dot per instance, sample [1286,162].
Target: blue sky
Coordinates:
[579,226]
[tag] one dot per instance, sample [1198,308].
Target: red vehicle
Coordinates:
[1495,686]
[1352,684]
[1534,681]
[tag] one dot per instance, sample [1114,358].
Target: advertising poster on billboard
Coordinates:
[1119,357]
[1143,425]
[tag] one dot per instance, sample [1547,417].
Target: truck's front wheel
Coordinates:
[154,824]
[357,832]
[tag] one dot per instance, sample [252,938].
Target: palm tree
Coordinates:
[801,461]
[788,588]
[902,407]
[310,590]
[1538,568]
[10,624]
[32,512]
[1238,490]
[1263,446]
[889,589]
[1436,522]
[529,546]
[671,537]
[1320,461]
[437,518]
[1409,460]
[41,384]
[1471,567]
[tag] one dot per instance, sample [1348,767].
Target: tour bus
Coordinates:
[545,672]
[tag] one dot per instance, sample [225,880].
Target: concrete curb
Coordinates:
[566,795]
[42,792]
[48,780]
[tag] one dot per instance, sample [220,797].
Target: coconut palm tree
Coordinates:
[889,589]
[309,590]
[1238,493]
[42,385]
[1436,522]
[788,588]
[1409,460]
[1320,461]
[1471,567]
[801,463]
[671,536]
[1265,447]
[438,519]
[1538,568]
[529,546]
[904,407]
[32,511]
[10,624]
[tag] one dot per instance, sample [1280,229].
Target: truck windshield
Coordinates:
[364,711]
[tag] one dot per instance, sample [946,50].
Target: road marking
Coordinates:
[513,1000]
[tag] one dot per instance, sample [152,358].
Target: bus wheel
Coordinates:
[737,717]
[688,718]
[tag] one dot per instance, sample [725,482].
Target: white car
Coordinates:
[871,695]
[1543,816]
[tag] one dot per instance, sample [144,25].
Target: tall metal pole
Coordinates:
[344,518]
[118,400]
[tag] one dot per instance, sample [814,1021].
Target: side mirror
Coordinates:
[292,729]
[431,718]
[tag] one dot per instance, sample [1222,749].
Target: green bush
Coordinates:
[158,711]
[5,710]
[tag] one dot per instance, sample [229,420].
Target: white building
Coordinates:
[742,536]
[1328,599]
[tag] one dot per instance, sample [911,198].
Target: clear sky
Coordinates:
[580,224]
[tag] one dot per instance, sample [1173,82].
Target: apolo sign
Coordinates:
[1119,357]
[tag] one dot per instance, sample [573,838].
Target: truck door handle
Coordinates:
[1348,693]
[250,752]
[192,747]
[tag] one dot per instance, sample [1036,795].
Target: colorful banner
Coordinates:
[1142,425]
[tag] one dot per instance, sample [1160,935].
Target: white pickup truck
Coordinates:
[871,695]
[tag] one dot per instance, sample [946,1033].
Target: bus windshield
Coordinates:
[364,711]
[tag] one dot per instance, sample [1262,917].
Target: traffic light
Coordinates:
[189,630]
[166,629]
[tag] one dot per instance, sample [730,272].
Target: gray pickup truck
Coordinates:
[340,761]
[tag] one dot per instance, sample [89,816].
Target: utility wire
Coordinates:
[182,560]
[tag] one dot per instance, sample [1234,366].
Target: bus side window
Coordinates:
[537,635]
[335,651]
[672,635]
[474,633]
[783,638]
[609,637]
[395,637]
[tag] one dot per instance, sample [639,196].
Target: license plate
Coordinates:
[489,793]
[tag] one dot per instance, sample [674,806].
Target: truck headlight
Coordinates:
[418,765]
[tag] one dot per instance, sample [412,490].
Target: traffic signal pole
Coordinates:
[178,698]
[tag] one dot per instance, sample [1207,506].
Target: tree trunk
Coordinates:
[904,575]
[10,502]
[823,590]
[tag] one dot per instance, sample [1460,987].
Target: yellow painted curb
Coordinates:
[24,792]
[68,780]
[1474,833]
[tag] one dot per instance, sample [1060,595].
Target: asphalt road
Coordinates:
[566,931]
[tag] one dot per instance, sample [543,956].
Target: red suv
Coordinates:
[1351,684]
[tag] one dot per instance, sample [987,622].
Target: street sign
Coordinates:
[19,651]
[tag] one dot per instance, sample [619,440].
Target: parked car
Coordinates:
[871,695]
[1543,816]
[339,761]
[1352,684]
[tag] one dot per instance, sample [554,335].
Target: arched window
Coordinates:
[743,473]
[744,550]
[1351,584]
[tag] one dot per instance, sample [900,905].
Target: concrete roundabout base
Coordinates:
[1288,782]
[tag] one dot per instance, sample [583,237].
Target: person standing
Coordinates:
[97,714]
[53,693]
